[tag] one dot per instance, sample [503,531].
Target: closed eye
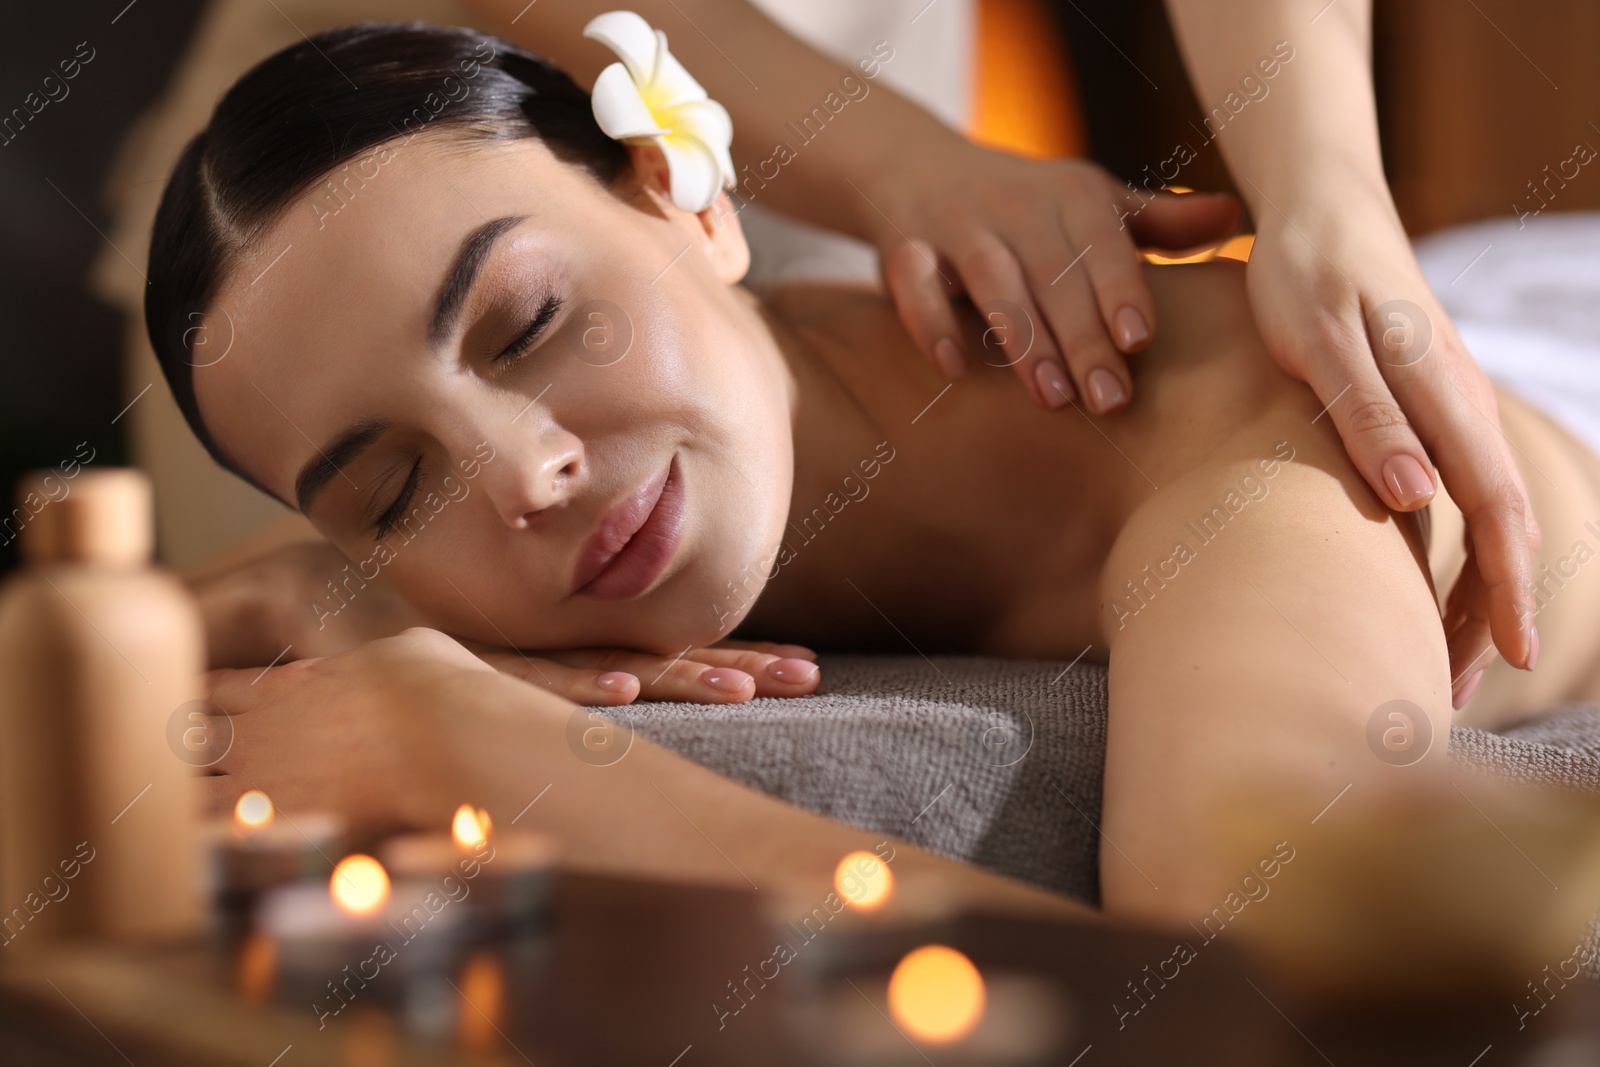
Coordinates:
[519,347]
[386,522]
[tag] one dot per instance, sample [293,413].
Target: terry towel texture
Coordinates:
[995,762]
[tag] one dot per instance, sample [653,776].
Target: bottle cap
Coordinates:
[99,516]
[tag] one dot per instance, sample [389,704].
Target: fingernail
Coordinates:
[725,679]
[1533,648]
[615,681]
[948,356]
[1132,330]
[1465,693]
[1105,390]
[1407,480]
[792,671]
[1052,382]
[793,652]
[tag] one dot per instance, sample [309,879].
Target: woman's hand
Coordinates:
[1342,305]
[1047,251]
[371,732]
[279,608]
[729,672]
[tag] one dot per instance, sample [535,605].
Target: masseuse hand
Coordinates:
[1342,304]
[1047,253]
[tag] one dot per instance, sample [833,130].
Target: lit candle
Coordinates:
[431,854]
[359,885]
[258,848]
[507,879]
[943,1008]
[936,994]
[518,875]
[340,936]
[319,926]
[863,881]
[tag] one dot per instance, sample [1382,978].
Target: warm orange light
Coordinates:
[257,968]
[1237,247]
[1205,255]
[359,884]
[863,880]
[252,811]
[470,828]
[936,994]
[483,993]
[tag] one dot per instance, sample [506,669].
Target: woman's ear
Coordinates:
[726,247]
[715,230]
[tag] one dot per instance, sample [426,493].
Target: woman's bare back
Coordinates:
[990,529]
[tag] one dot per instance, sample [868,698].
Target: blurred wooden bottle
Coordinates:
[98,816]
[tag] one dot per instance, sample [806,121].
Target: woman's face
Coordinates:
[478,373]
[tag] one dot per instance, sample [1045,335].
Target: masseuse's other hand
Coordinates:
[1342,304]
[729,672]
[1047,252]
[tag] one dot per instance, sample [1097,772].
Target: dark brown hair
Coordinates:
[315,107]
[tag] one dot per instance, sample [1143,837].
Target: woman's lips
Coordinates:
[635,540]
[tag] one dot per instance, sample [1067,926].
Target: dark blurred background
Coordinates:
[61,350]
[1476,98]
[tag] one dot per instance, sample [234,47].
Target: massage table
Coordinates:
[998,762]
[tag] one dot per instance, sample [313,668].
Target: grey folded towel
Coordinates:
[996,762]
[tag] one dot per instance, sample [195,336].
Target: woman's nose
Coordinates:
[526,479]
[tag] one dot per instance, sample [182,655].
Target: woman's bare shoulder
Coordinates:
[1276,491]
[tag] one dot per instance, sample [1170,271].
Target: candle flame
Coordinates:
[863,880]
[470,828]
[253,811]
[359,884]
[936,994]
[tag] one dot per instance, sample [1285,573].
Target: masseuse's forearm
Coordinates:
[1313,138]
[657,814]
[766,78]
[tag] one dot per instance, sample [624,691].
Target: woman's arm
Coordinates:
[945,214]
[407,728]
[1341,302]
[287,594]
[1276,749]
[1250,661]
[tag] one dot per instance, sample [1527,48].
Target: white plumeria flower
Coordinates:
[650,97]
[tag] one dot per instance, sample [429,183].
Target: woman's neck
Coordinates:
[915,502]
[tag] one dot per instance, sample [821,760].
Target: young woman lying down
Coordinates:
[399,340]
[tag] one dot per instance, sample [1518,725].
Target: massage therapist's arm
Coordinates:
[1332,278]
[888,172]
[404,729]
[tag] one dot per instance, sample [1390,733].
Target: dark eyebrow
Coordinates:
[474,251]
[344,448]
[359,435]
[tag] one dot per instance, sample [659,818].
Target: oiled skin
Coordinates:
[1261,652]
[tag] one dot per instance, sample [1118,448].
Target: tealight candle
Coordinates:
[507,877]
[432,854]
[258,848]
[341,935]
[943,1008]
[518,875]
